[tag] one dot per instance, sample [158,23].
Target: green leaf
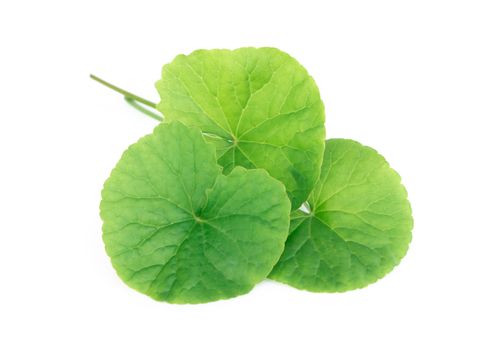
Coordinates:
[359,225]
[258,105]
[178,230]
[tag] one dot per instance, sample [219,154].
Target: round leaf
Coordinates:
[178,230]
[259,106]
[359,225]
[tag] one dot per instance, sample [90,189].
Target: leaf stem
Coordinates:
[140,108]
[128,95]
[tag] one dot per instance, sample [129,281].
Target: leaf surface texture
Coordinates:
[359,226]
[179,230]
[259,106]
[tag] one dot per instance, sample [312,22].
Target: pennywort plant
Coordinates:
[235,185]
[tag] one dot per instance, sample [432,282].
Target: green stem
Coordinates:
[140,108]
[128,95]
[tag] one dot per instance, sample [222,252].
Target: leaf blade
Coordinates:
[174,226]
[261,102]
[359,227]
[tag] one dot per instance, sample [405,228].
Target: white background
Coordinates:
[405,77]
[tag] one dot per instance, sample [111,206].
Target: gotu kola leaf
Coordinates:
[359,225]
[258,105]
[178,230]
